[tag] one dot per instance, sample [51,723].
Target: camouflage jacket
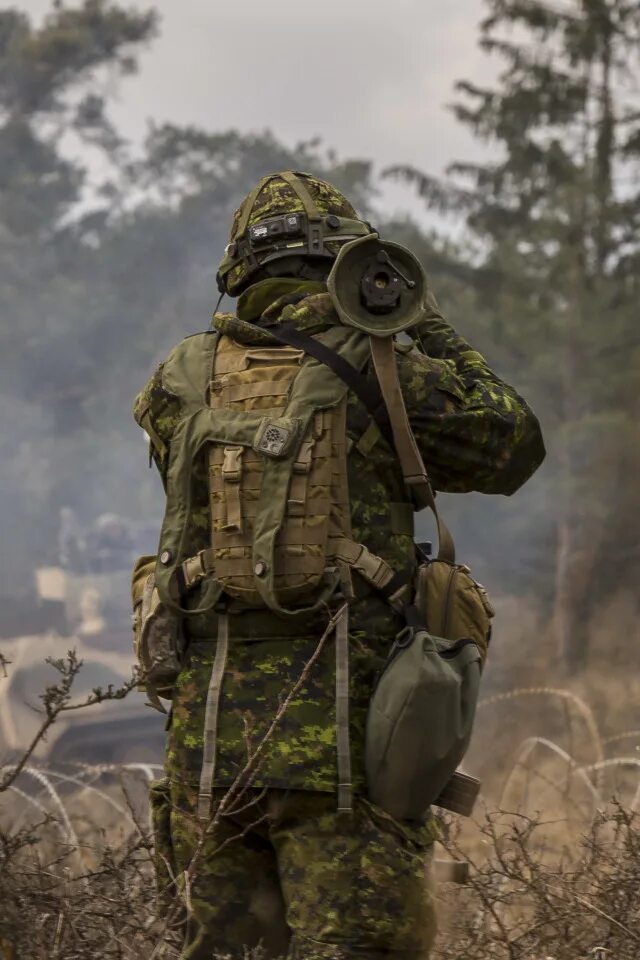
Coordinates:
[475,433]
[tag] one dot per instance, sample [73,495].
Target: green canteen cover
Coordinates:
[419,723]
[344,284]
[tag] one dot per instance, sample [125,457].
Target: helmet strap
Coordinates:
[298,187]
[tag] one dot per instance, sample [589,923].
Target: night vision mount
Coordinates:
[293,234]
[308,233]
[378,286]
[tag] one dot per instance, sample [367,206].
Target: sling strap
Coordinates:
[413,469]
[342,713]
[393,422]
[369,394]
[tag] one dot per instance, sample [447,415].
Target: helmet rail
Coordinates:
[309,232]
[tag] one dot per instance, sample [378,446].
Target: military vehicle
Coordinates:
[82,604]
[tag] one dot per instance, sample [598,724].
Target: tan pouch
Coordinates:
[157,634]
[453,604]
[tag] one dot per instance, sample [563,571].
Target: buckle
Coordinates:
[232,464]
[405,638]
[191,575]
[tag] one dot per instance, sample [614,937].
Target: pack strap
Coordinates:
[372,568]
[413,469]
[343,745]
[212,710]
[368,393]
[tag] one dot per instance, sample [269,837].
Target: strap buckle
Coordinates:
[194,569]
[232,464]
[374,568]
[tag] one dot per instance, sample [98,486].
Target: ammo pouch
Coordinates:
[157,635]
[420,721]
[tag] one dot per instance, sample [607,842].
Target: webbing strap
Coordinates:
[366,392]
[248,205]
[298,187]
[231,477]
[211,720]
[342,713]
[372,568]
[413,468]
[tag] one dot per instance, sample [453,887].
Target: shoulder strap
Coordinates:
[393,422]
[413,468]
[369,394]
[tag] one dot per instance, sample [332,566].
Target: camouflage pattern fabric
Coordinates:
[277,198]
[475,432]
[290,873]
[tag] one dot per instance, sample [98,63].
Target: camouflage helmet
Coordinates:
[288,214]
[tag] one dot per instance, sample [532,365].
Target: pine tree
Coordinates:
[556,220]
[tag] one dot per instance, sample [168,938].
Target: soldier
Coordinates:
[283,866]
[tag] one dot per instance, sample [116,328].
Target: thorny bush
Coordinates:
[514,907]
[76,886]
[522,903]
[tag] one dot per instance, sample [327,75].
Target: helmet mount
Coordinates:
[309,232]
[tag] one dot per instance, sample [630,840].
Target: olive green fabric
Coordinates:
[164,861]
[420,721]
[370,264]
[291,873]
[475,433]
[255,300]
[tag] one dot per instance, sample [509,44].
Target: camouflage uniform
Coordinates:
[475,433]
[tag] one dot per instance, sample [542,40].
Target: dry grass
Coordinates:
[521,904]
[555,860]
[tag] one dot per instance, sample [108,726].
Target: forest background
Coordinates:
[109,245]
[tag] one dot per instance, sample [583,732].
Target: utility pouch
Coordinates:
[453,605]
[157,635]
[420,721]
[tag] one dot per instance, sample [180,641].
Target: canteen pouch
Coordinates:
[420,721]
[157,635]
[453,605]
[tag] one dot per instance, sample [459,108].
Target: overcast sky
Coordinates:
[371,78]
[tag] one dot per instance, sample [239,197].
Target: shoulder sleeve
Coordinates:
[475,432]
[157,411]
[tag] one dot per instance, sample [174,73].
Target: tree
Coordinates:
[49,91]
[556,219]
[96,285]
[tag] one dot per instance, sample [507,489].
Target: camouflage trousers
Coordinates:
[287,872]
